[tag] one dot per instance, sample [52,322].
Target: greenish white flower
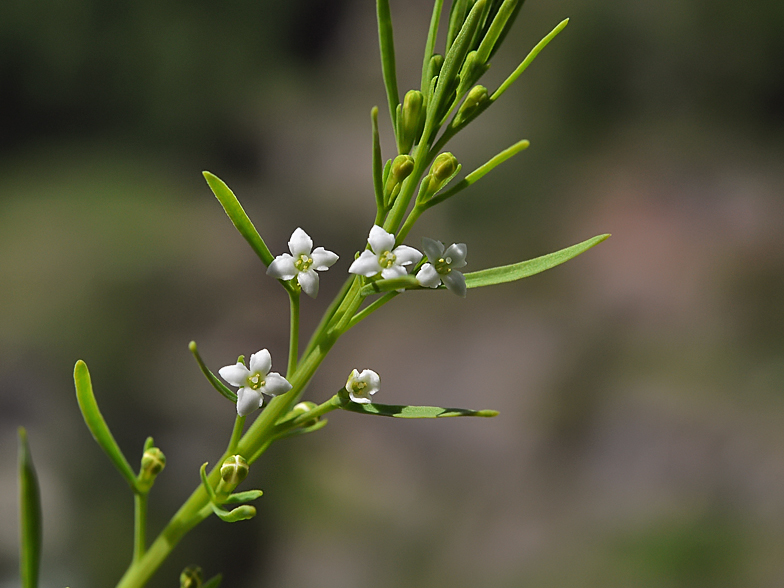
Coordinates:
[382,258]
[362,385]
[442,266]
[303,262]
[254,382]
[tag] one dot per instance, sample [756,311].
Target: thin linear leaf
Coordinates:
[386,45]
[241,497]
[415,412]
[401,283]
[431,43]
[238,216]
[528,60]
[508,26]
[30,516]
[378,172]
[517,271]
[507,10]
[211,378]
[97,425]
[213,582]
[241,513]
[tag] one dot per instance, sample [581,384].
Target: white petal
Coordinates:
[352,378]
[457,252]
[236,375]
[455,282]
[248,400]
[300,243]
[428,276]
[358,399]
[405,255]
[395,271]
[323,259]
[433,249]
[275,384]
[309,282]
[365,265]
[260,362]
[370,378]
[380,240]
[282,267]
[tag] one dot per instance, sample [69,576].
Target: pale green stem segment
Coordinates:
[478,173]
[97,425]
[371,308]
[238,217]
[30,529]
[431,43]
[216,383]
[378,183]
[294,331]
[139,525]
[387,47]
[524,269]
[528,60]
[236,434]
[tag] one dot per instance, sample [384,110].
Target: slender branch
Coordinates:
[236,434]
[139,525]
[371,308]
[294,332]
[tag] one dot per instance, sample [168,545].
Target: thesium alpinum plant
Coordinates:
[421,175]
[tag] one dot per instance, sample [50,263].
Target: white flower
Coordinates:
[391,263]
[362,385]
[442,266]
[254,382]
[302,263]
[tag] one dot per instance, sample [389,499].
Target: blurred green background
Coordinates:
[641,435]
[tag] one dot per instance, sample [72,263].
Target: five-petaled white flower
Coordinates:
[302,263]
[442,266]
[391,263]
[362,385]
[254,382]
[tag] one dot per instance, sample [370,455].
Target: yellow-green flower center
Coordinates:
[386,259]
[256,381]
[442,265]
[303,263]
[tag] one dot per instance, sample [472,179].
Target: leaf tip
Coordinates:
[192,347]
[487,413]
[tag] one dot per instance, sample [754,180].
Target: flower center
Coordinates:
[358,386]
[303,263]
[442,265]
[386,259]
[256,381]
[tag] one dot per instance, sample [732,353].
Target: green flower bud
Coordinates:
[444,168]
[401,168]
[472,70]
[191,577]
[234,470]
[410,120]
[303,407]
[153,462]
[476,98]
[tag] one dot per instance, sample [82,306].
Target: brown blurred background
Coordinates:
[641,435]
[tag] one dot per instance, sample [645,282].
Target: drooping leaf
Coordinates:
[30,516]
[211,378]
[240,497]
[238,216]
[97,425]
[517,271]
[415,412]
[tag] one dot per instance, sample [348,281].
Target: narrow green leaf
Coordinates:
[402,283]
[30,516]
[238,216]
[478,173]
[213,582]
[241,497]
[507,27]
[206,483]
[489,41]
[211,378]
[97,425]
[241,513]
[386,44]
[529,59]
[456,18]
[415,412]
[378,180]
[430,44]
[517,271]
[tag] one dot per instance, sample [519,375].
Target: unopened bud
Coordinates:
[302,408]
[233,471]
[401,168]
[471,71]
[153,462]
[444,168]
[410,120]
[191,577]
[476,98]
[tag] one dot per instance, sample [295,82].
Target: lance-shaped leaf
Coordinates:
[30,516]
[241,497]
[238,217]
[97,425]
[386,44]
[211,378]
[517,271]
[431,43]
[213,582]
[415,412]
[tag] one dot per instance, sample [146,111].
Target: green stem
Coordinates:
[139,525]
[294,332]
[371,308]
[236,434]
